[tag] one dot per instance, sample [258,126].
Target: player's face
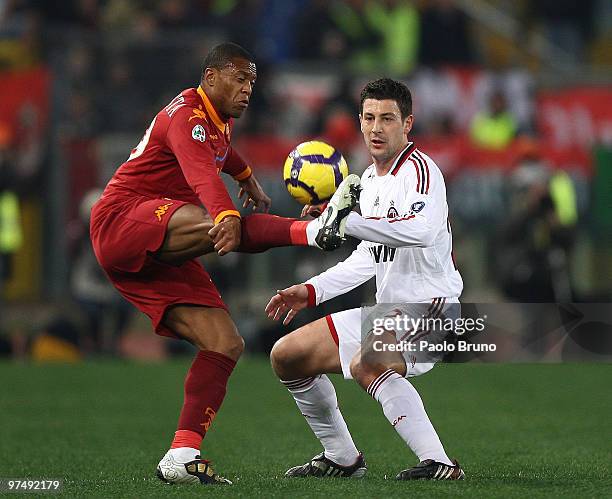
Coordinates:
[233,86]
[384,131]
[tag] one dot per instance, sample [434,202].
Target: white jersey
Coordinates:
[405,234]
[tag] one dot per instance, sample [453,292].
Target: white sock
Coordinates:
[183,454]
[404,409]
[316,399]
[312,230]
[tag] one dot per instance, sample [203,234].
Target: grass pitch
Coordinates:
[518,431]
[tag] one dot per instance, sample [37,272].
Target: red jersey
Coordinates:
[181,155]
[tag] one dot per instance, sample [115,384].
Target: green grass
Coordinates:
[518,430]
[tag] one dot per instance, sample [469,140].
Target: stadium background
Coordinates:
[80,80]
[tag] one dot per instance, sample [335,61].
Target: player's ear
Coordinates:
[408,124]
[209,77]
[361,122]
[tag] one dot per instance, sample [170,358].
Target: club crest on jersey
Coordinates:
[198,133]
[416,207]
[392,213]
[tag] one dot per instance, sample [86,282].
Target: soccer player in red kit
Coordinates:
[148,228]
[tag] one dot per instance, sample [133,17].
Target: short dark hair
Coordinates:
[386,88]
[223,53]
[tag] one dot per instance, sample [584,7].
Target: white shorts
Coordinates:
[346,328]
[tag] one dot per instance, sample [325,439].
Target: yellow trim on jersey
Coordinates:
[226,213]
[212,112]
[244,174]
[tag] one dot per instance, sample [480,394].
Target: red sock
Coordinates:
[205,387]
[186,438]
[261,231]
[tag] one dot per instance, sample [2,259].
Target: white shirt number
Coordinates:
[143,142]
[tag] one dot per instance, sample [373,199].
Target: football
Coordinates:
[313,171]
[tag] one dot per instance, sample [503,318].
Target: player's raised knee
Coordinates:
[283,357]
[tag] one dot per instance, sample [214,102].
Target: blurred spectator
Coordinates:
[444,34]
[173,14]
[118,94]
[340,31]
[534,246]
[397,22]
[496,127]
[81,119]
[106,312]
[262,116]
[343,98]
[567,23]
[11,236]
[317,35]
[59,342]
[29,149]
[262,26]
[119,15]
[80,63]
[70,13]
[19,35]
[338,120]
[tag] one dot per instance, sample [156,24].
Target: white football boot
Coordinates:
[184,465]
[327,231]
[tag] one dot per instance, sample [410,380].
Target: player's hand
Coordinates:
[252,192]
[290,300]
[226,235]
[314,210]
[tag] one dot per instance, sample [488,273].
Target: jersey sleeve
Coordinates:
[417,228]
[187,140]
[344,276]
[236,166]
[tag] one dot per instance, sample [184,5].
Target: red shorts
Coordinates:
[124,234]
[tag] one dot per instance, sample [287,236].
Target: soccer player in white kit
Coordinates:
[406,243]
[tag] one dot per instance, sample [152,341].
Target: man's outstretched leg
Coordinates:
[187,234]
[300,360]
[220,346]
[382,376]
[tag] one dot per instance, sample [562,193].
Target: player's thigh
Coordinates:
[124,233]
[307,351]
[186,235]
[208,328]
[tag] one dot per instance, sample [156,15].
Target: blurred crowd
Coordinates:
[395,34]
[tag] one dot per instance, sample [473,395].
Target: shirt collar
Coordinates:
[211,111]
